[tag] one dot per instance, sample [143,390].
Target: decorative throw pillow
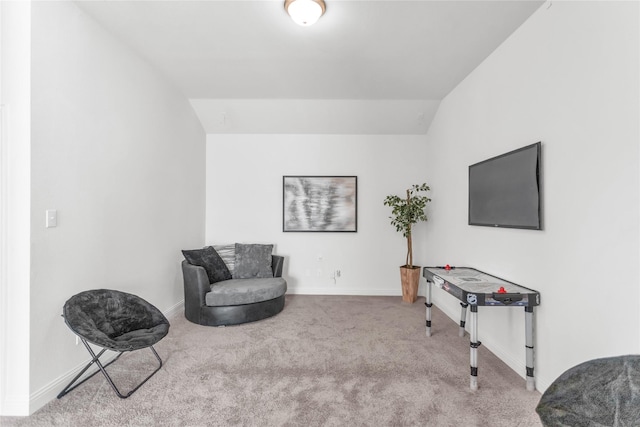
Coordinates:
[253,261]
[208,258]
[228,255]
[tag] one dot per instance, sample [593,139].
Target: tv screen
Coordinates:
[504,191]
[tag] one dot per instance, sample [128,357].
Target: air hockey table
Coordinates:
[475,288]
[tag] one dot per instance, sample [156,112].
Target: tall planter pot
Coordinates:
[410,278]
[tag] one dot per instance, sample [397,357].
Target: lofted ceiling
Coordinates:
[367,66]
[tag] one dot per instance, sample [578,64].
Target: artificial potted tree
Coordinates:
[405,212]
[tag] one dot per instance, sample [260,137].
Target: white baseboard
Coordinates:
[339,290]
[309,290]
[175,310]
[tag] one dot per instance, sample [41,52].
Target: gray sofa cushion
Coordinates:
[245,291]
[253,260]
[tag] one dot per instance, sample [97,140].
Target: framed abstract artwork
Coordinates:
[320,203]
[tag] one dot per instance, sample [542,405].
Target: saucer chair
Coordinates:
[115,321]
[598,392]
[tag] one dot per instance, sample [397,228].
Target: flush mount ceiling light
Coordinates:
[305,12]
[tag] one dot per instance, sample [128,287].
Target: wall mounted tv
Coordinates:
[504,191]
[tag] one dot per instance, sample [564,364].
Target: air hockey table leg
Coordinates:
[474,344]
[428,305]
[463,318]
[528,324]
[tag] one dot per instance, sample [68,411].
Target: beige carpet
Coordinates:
[323,361]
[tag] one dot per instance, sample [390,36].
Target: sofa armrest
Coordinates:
[196,286]
[276,265]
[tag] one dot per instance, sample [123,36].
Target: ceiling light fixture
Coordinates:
[305,12]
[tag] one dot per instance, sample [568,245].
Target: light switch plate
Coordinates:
[52,218]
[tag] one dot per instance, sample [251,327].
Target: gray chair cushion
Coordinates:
[253,260]
[115,320]
[600,392]
[245,291]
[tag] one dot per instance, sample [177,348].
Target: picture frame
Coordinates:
[319,203]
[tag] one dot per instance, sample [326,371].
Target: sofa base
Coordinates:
[238,314]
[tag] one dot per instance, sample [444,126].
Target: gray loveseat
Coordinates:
[250,288]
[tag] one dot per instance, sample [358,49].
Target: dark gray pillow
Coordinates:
[252,261]
[208,258]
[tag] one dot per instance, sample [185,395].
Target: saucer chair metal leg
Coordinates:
[96,359]
[71,385]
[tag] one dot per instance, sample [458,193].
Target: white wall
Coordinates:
[244,204]
[330,116]
[120,154]
[569,78]
[15,169]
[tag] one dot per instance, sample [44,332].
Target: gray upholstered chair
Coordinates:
[232,302]
[116,321]
[600,392]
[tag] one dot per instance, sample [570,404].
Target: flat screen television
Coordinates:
[504,191]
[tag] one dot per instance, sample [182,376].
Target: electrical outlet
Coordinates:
[334,276]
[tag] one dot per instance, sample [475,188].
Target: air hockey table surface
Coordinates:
[475,287]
